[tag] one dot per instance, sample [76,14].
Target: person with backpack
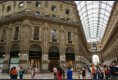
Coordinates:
[106,72]
[21,73]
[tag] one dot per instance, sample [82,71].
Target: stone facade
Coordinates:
[24,17]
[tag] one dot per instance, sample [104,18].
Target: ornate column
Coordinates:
[62,52]
[44,63]
[24,39]
[7,49]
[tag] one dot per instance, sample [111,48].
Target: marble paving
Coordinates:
[42,76]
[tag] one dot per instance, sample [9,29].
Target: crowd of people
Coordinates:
[96,72]
[15,72]
[67,72]
[109,71]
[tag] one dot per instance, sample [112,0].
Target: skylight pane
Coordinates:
[92,23]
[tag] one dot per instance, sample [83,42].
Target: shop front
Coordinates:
[35,53]
[53,58]
[2,53]
[70,58]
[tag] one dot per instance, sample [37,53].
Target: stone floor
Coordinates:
[41,76]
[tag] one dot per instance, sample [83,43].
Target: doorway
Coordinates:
[53,58]
[35,53]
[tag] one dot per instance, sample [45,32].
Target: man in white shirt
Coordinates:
[55,71]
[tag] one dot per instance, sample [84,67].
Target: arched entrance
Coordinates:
[95,59]
[53,57]
[70,57]
[14,58]
[35,53]
[94,48]
[2,53]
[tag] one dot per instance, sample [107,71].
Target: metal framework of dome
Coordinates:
[94,16]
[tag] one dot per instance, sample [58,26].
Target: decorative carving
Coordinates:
[61,7]
[46,4]
[17,23]
[29,2]
[37,23]
[54,25]
[14,4]
[3,6]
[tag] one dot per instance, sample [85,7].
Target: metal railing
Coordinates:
[41,15]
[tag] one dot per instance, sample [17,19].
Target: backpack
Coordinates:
[107,72]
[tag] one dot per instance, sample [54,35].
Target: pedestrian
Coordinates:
[102,71]
[113,70]
[55,71]
[59,73]
[78,72]
[109,75]
[93,72]
[18,68]
[63,71]
[98,73]
[15,73]
[69,73]
[8,70]
[106,72]
[11,73]
[21,73]
[33,72]
[83,73]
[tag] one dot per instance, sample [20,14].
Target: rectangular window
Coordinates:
[8,8]
[3,35]
[54,8]
[37,13]
[16,33]
[38,4]
[53,17]
[69,37]
[21,4]
[67,11]
[54,36]
[36,33]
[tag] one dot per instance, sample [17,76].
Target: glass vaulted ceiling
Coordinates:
[94,17]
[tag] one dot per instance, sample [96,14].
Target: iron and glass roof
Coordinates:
[94,16]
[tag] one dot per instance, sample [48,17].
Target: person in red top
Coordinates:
[59,73]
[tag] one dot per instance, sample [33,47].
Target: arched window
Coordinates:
[95,59]
[35,47]
[69,50]
[94,48]
[2,49]
[15,48]
[53,49]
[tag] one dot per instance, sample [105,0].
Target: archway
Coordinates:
[95,59]
[70,57]
[94,48]
[35,53]
[14,58]
[53,57]
[2,53]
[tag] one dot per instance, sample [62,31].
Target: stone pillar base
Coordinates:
[45,71]
[4,71]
